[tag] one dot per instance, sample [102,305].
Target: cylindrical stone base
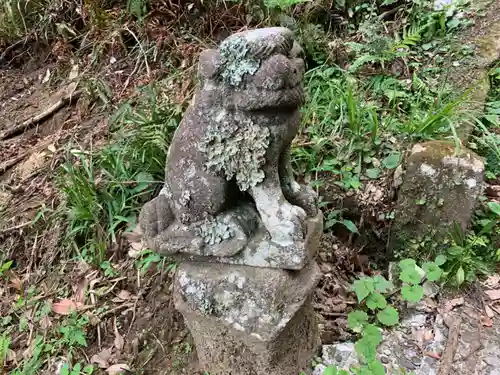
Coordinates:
[249,320]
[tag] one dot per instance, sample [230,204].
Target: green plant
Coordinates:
[473,253]
[335,217]
[105,189]
[375,294]
[76,369]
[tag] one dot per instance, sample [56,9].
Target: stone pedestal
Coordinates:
[249,320]
[439,191]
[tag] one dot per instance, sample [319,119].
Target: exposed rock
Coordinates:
[440,189]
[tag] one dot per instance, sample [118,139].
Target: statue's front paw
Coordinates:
[289,225]
[155,216]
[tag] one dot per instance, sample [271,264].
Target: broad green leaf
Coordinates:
[381,284]
[407,263]
[412,293]
[373,334]
[460,276]
[376,368]
[356,320]
[373,173]
[392,161]
[366,348]
[440,260]
[350,225]
[331,370]
[432,271]
[376,301]
[494,207]
[388,316]
[410,276]
[363,287]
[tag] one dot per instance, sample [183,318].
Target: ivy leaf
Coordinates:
[376,301]
[392,161]
[331,370]
[494,207]
[381,284]
[460,276]
[388,316]
[350,225]
[410,276]
[372,333]
[376,368]
[373,173]
[407,263]
[412,293]
[363,287]
[432,271]
[356,320]
[440,260]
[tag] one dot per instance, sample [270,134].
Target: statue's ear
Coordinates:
[209,63]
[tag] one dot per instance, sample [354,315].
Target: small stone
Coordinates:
[384,359]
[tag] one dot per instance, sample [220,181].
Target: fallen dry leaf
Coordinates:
[428,335]
[493,294]
[124,295]
[66,307]
[15,281]
[486,321]
[45,322]
[492,280]
[451,304]
[432,355]
[119,342]
[80,290]
[102,358]
[489,311]
[117,369]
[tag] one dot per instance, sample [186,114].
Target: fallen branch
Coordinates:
[19,128]
[10,163]
[10,229]
[451,346]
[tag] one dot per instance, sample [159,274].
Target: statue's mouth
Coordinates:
[259,98]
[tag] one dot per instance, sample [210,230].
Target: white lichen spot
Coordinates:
[471,183]
[473,164]
[418,148]
[257,336]
[427,170]
[237,280]
[238,327]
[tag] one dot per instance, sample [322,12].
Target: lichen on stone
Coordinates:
[214,231]
[236,146]
[236,61]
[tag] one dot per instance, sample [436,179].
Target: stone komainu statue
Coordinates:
[229,185]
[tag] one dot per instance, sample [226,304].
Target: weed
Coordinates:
[104,189]
[375,294]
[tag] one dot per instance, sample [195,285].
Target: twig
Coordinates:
[142,50]
[16,129]
[7,230]
[10,163]
[451,346]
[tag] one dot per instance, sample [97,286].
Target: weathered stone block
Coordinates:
[261,251]
[440,188]
[249,320]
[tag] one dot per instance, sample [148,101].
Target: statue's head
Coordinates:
[256,69]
